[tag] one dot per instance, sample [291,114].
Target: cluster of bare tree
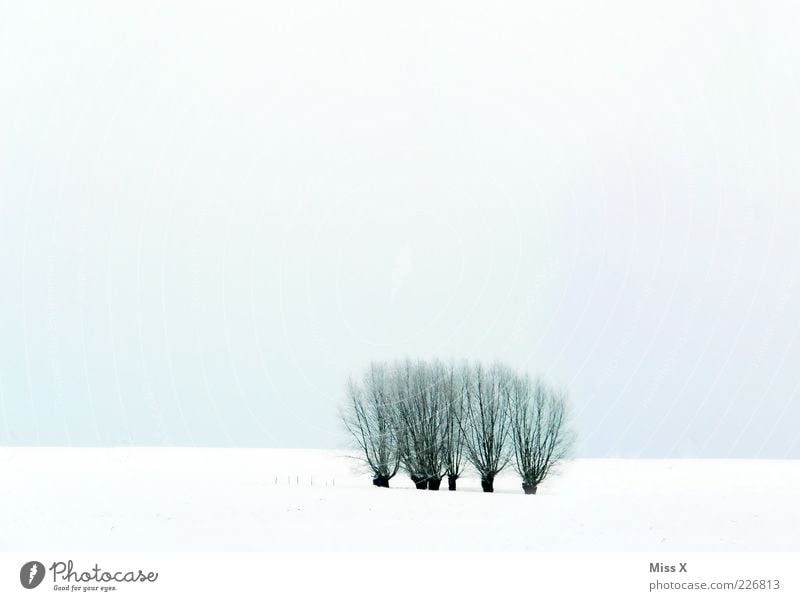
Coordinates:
[433,418]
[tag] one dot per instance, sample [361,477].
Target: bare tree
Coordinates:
[433,398]
[539,434]
[406,423]
[418,411]
[485,423]
[367,417]
[448,378]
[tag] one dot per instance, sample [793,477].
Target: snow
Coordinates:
[171,499]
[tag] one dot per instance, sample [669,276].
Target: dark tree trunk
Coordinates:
[487,484]
[434,483]
[381,481]
[451,482]
[419,481]
[530,489]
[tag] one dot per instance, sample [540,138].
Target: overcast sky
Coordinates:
[212,213]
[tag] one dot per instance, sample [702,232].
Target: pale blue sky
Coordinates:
[212,212]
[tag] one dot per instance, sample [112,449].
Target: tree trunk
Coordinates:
[434,483]
[451,482]
[420,482]
[487,484]
[381,481]
[530,489]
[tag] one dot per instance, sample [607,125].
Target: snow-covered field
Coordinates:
[129,499]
